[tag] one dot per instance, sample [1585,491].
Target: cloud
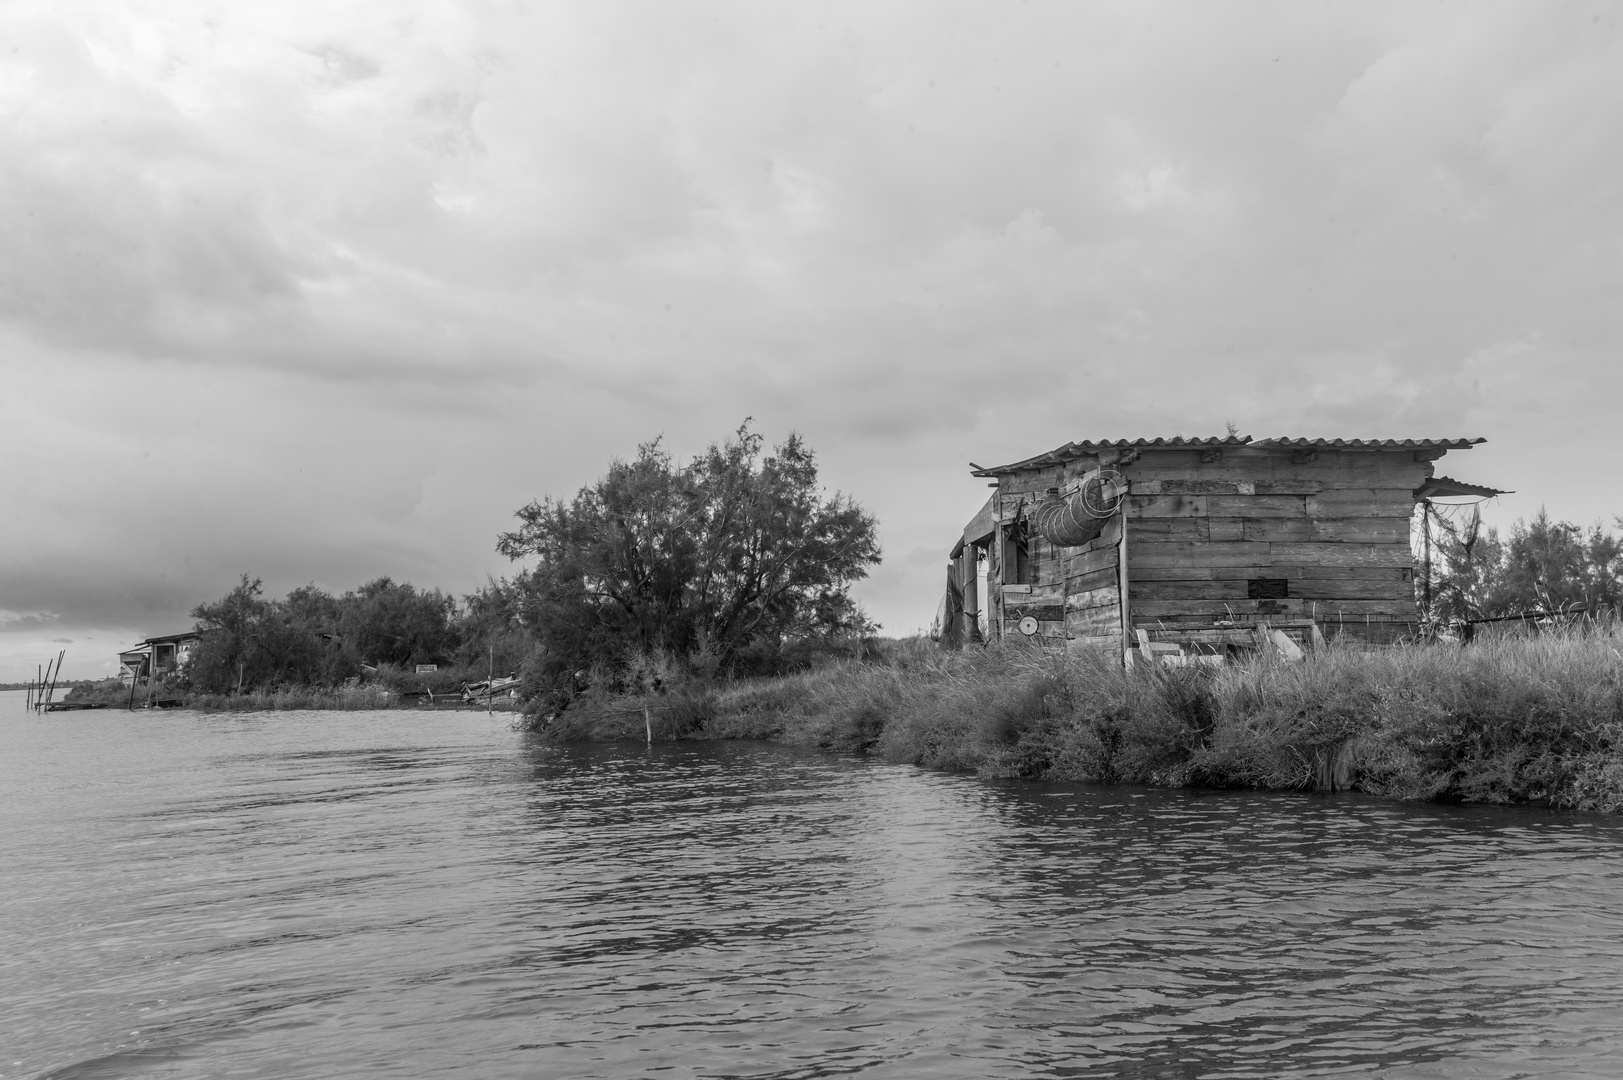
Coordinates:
[322,292]
[24,620]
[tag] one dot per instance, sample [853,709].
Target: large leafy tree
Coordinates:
[249,641]
[732,554]
[391,622]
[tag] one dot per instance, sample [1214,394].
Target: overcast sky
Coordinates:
[325,291]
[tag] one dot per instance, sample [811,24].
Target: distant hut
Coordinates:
[1196,547]
[157,655]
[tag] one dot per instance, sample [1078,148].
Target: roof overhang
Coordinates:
[173,639]
[1446,487]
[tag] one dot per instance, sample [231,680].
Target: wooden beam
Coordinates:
[1154,506]
[1241,573]
[1256,506]
[1326,611]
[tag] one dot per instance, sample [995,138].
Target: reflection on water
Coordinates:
[401,894]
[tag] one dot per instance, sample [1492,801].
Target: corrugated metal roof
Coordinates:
[166,639]
[1372,444]
[1446,487]
[1071,451]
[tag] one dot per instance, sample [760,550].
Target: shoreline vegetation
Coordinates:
[1522,718]
[1534,719]
[387,688]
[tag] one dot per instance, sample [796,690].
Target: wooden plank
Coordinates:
[1100,622]
[1087,562]
[1162,459]
[1333,592]
[1039,596]
[1196,635]
[1326,617]
[981,525]
[1154,609]
[1171,528]
[1271,529]
[1328,573]
[1164,506]
[1256,506]
[1324,554]
[1332,501]
[1214,589]
[1044,561]
[1197,554]
[1361,531]
[1093,598]
[1391,511]
[1185,484]
[1102,615]
[1016,612]
[1034,481]
[1098,579]
[1225,530]
[1299,589]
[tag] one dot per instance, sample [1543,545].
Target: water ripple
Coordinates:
[395,895]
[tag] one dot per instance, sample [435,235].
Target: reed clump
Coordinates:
[1533,719]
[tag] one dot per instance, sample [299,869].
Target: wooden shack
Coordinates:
[167,652]
[1198,547]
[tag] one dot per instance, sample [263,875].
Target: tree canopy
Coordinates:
[1541,565]
[312,637]
[734,553]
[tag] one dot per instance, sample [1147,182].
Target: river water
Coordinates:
[405,894]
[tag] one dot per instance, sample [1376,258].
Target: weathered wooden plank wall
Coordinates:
[1093,589]
[1335,528]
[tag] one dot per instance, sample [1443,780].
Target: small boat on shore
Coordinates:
[485,692]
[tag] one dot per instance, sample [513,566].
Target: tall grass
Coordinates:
[346,699]
[1520,719]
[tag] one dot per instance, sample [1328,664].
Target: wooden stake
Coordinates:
[648,724]
[490,679]
[50,693]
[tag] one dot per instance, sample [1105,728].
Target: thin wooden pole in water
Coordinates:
[51,692]
[648,725]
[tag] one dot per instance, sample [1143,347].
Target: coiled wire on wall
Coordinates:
[1069,521]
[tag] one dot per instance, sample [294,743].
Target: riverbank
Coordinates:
[116,694]
[1536,720]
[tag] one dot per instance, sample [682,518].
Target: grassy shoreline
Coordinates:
[1536,720]
[115,695]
